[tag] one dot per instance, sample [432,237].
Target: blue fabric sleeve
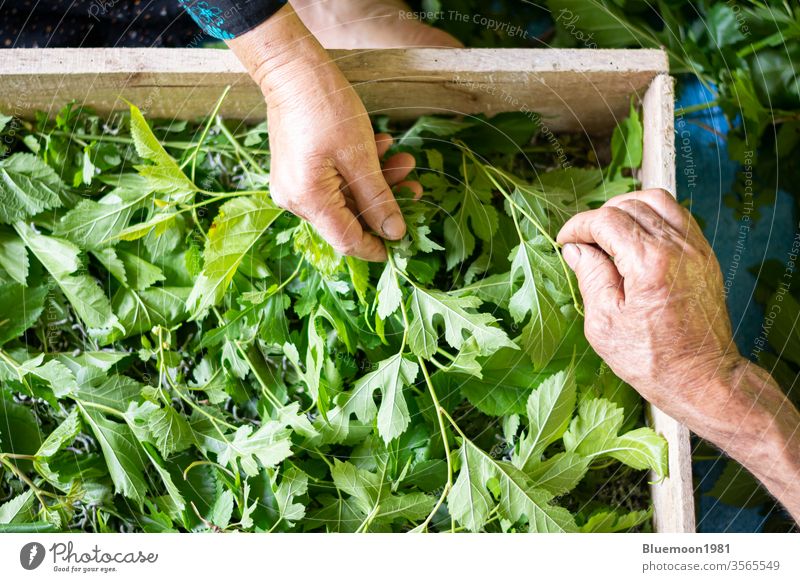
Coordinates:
[226,19]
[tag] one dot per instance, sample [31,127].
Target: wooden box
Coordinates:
[586,91]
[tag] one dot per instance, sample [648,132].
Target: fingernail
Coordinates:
[571,254]
[393,226]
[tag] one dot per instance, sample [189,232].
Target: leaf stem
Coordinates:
[39,493]
[541,230]
[443,432]
[238,147]
[206,128]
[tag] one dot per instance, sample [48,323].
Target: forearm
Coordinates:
[757,425]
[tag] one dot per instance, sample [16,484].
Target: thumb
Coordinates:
[598,277]
[375,201]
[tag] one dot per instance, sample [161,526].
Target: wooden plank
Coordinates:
[574,89]
[673,498]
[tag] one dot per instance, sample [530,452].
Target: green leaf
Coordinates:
[241,222]
[593,433]
[18,509]
[316,250]
[28,186]
[95,224]
[139,273]
[737,487]
[115,391]
[29,304]
[57,375]
[475,215]
[109,258]
[438,126]
[549,411]
[293,485]
[19,430]
[165,175]
[359,277]
[222,510]
[429,307]
[626,144]
[391,377]
[373,499]
[559,474]
[535,262]
[723,26]
[388,292]
[608,521]
[170,430]
[268,445]
[469,501]
[159,224]
[140,311]
[122,454]
[64,434]
[466,360]
[174,494]
[60,258]
[13,256]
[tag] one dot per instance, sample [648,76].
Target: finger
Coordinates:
[376,203]
[644,214]
[383,141]
[412,185]
[613,230]
[397,167]
[661,202]
[337,224]
[598,278]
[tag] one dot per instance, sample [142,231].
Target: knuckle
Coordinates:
[660,193]
[597,326]
[346,246]
[379,197]
[610,217]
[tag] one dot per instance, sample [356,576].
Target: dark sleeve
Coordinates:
[225,19]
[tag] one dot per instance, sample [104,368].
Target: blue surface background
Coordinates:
[705,175]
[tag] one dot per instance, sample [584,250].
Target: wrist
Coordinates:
[279,52]
[757,425]
[733,403]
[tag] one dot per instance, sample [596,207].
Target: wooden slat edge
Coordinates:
[673,498]
[65,61]
[577,90]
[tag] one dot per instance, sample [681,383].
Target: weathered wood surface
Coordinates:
[673,498]
[574,90]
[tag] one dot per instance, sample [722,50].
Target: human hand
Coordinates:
[353,24]
[325,156]
[653,294]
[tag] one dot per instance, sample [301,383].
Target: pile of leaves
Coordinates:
[177,353]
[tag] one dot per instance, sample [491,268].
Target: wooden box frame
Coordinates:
[573,90]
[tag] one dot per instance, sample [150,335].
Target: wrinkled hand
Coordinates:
[325,156]
[653,296]
[326,168]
